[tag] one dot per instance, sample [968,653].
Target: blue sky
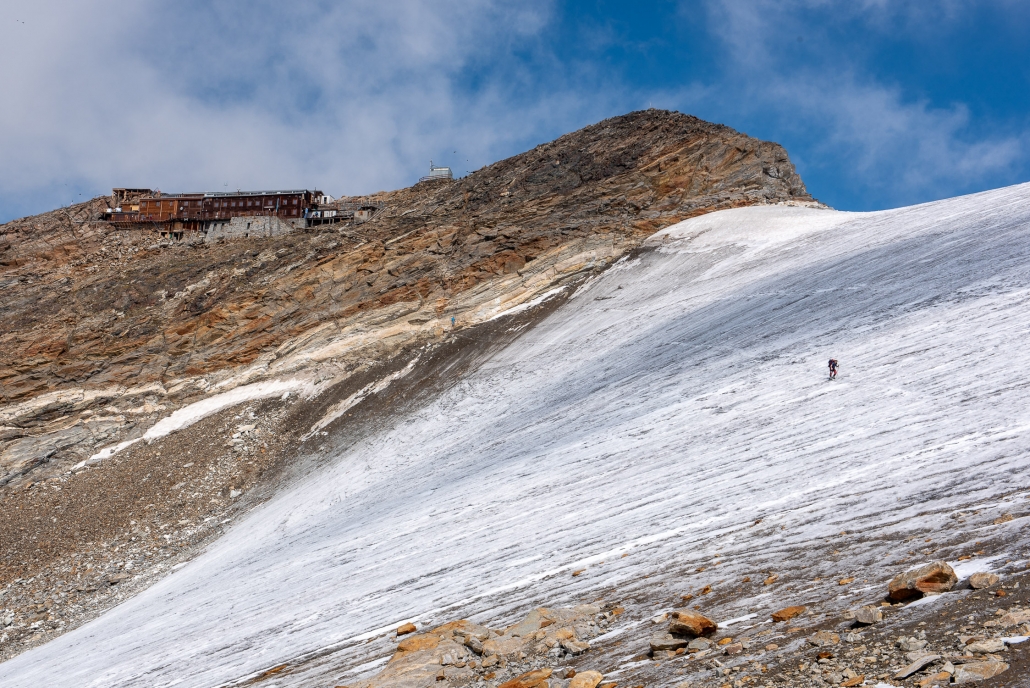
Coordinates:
[879,103]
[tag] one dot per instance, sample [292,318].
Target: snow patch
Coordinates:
[188,415]
[528,304]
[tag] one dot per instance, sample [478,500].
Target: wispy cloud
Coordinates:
[869,131]
[358,96]
[352,97]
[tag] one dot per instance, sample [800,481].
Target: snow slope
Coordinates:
[660,412]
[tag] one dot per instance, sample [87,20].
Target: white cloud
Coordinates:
[899,146]
[350,97]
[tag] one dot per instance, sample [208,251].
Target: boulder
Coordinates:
[475,644]
[416,643]
[1011,619]
[984,647]
[503,646]
[406,628]
[941,678]
[698,644]
[868,615]
[910,644]
[978,671]
[533,622]
[979,581]
[733,648]
[585,679]
[666,641]
[575,647]
[787,613]
[824,639]
[933,578]
[917,665]
[687,622]
[531,679]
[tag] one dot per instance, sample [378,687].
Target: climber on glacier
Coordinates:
[833,368]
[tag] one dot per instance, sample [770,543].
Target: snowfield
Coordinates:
[659,414]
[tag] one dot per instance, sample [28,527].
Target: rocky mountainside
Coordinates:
[107,332]
[96,318]
[656,484]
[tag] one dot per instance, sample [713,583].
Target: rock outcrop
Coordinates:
[936,577]
[520,656]
[690,623]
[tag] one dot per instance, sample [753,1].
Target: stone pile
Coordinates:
[524,655]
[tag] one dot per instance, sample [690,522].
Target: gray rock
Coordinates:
[699,644]
[910,644]
[921,663]
[575,647]
[979,581]
[868,615]
[665,641]
[824,638]
[986,646]
[978,671]
[475,644]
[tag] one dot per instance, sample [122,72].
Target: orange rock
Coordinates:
[565,634]
[935,577]
[577,572]
[725,641]
[530,679]
[770,580]
[425,641]
[857,681]
[983,580]
[787,613]
[586,679]
[940,678]
[687,622]
[406,628]
[845,581]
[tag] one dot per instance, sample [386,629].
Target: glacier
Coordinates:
[674,411]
